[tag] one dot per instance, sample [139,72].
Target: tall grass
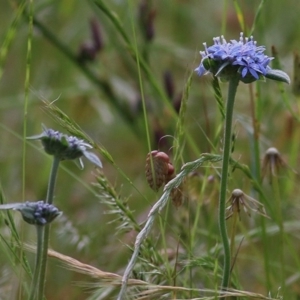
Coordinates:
[135,94]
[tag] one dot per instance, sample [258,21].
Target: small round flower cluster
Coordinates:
[38,213]
[66,147]
[63,146]
[225,59]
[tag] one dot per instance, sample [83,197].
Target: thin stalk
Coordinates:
[43,263]
[25,114]
[162,226]
[257,16]
[195,226]
[27,90]
[256,166]
[276,191]
[234,253]
[190,270]
[38,259]
[264,238]
[232,237]
[255,115]
[46,230]
[224,16]
[137,57]
[233,84]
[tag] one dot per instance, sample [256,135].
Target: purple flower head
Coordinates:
[37,213]
[226,59]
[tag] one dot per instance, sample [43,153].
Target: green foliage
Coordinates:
[118,99]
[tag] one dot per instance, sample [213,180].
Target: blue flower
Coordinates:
[226,59]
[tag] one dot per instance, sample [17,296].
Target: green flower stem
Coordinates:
[45,232]
[233,84]
[38,260]
[52,180]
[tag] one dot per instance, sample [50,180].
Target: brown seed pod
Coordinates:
[157,177]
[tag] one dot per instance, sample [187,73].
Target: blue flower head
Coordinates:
[36,213]
[226,59]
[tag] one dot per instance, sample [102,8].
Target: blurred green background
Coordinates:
[112,115]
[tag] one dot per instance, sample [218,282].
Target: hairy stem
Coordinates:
[233,84]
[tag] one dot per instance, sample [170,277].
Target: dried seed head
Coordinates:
[272,163]
[157,169]
[237,193]
[238,199]
[272,151]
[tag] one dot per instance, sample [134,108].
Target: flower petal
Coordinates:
[93,158]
